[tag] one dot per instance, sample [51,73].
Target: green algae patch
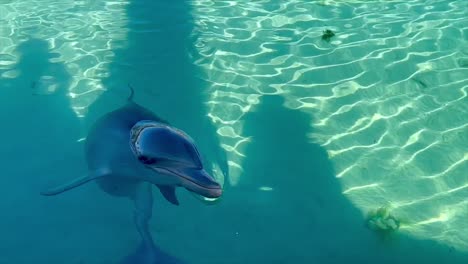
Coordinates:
[381,220]
[327,34]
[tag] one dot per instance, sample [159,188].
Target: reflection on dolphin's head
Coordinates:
[170,151]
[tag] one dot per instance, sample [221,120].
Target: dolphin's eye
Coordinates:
[146,160]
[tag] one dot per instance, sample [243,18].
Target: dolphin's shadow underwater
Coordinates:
[130,149]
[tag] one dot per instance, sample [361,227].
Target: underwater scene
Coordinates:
[226,132]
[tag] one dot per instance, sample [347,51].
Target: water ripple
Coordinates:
[82,33]
[388,94]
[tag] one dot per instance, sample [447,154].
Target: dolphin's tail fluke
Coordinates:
[148,253]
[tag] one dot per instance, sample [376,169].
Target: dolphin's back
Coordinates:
[108,146]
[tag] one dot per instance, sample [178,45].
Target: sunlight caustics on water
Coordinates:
[387,93]
[82,34]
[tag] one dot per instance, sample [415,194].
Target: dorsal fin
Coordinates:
[132,93]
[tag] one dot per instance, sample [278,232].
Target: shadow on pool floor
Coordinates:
[305,218]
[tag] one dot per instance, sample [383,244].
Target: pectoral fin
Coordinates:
[75,183]
[169,193]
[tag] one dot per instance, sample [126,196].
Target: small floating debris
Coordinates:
[381,220]
[327,35]
[463,62]
[420,82]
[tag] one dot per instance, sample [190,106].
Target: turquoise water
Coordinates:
[312,135]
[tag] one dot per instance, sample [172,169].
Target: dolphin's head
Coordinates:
[168,150]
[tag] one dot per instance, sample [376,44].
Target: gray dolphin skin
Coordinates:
[130,149]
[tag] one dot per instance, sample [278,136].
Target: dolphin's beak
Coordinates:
[198,181]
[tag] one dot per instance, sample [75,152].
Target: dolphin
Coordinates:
[131,149]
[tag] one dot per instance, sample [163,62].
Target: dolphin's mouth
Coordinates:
[210,189]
